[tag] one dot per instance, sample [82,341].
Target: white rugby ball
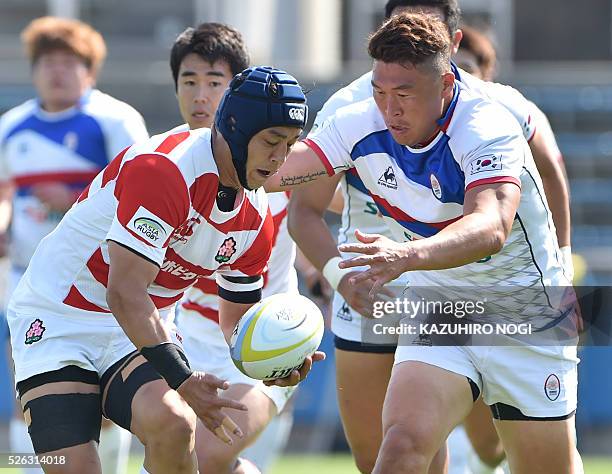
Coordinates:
[275,336]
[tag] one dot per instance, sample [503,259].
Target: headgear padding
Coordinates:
[256,99]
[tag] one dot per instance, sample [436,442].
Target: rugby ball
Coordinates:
[275,336]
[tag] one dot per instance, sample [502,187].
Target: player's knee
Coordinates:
[170,427]
[411,444]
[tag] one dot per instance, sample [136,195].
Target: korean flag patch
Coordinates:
[486,163]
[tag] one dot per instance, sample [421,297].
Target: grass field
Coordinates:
[342,464]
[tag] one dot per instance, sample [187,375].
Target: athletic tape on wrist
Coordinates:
[169,361]
[332,273]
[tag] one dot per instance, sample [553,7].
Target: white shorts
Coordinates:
[46,342]
[348,324]
[208,351]
[540,381]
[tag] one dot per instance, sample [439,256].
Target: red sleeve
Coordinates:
[151,190]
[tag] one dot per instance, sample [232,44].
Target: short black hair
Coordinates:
[450,8]
[212,42]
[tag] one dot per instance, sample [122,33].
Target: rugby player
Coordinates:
[203,61]
[309,230]
[91,318]
[419,148]
[51,147]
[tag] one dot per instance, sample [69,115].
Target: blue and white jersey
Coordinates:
[420,191]
[69,147]
[360,211]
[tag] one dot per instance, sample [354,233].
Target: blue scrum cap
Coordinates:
[256,99]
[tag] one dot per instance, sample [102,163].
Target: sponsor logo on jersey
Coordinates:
[388,179]
[296,114]
[176,269]
[436,189]
[150,229]
[344,312]
[227,249]
[486,163]
[185,230]
[35,332]
[552,387]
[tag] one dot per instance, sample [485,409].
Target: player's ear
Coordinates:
[457,37]
[448,82]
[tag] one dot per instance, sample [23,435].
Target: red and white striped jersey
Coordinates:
[158,199]
[281,276]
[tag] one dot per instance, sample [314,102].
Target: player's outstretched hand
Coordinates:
[357,295]
[297,375]
[386,259]
[200,392]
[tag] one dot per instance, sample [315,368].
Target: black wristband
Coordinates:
[169,361]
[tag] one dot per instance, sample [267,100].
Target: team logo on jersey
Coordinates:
[71,141]
[486,163]
[344,312]
[227,249]
[552,387]
[388,179]
[436,189]
[35,332]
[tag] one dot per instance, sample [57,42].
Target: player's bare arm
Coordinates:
[301,167]
[129,277]
[555,185]
[489,211]
[308,228]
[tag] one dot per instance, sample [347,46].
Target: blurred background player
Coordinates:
[51,147]
[308,206]
[476,54]
[203,61]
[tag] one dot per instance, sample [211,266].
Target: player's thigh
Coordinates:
[361,384]
[62,411]
[540,446]
[261,410]
[482,434]
[430,392]
[138,399]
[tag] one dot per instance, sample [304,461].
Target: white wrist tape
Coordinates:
[568,263]
[332,273]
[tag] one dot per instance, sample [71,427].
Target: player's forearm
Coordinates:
[137,316]
[311,234]
[557,197]
[468,240]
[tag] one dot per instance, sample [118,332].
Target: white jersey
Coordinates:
[158,199]
[360,211]
[68,147]
[421,191]
[280,277]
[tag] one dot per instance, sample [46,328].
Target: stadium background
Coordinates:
[557,52]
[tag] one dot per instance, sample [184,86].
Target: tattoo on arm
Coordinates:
[288,181]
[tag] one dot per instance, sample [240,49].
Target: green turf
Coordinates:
[342,464]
